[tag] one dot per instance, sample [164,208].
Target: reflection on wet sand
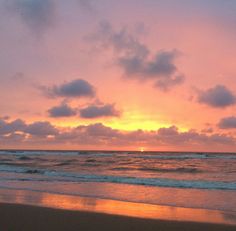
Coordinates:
[116,207]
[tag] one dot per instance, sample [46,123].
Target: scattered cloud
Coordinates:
[171,131]
[13,126]
[101,134]
[227,123]
[136,59]
[6,117]
[41,128]
[72,89]
[99,129]
[87,5]
[218,97]
[18,126]
[76,89]
[97,135]
[207,130]
[120,41]
[38,15]
[63,110]
[161,68]
[95,111]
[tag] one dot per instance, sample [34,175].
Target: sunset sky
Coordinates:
[125,75]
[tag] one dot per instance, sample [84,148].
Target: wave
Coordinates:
[123,169]
[37,152]
[156,182]
[19,169]
[97,154]
[153,155]
[159,182]
[164,170]
[5,160]
[65,163]
[23,157]
[179,170]
[187,156]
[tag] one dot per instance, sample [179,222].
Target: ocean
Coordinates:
[179,179]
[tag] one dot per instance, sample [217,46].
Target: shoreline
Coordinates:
[19,217]
[105,207]
[121,150]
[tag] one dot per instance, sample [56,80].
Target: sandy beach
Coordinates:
[17,217]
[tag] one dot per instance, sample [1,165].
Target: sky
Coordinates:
[118,75]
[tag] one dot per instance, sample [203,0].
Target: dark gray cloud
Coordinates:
[136,60]
[207,130]
[99,129]
[13,126]
[6,117]
[171,131]
[74,88]
[99,134]
[38,128]
[41,128]
[171,135]
[160,68]
[87,5]
[102,134]
[95,111]
[63,110]
[38,15]
[218,96]
[13,140]
[227,123]
[121,41]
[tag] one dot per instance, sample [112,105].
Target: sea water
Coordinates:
[195,180]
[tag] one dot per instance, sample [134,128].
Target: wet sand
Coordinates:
[16,217]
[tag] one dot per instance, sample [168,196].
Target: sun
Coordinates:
[141,149]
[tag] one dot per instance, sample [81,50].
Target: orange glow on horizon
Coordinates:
[142,149]
[120,124]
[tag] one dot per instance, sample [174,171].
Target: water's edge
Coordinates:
[140,210]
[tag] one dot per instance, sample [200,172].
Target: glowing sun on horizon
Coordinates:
[141,149]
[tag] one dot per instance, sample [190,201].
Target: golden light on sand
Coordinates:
[130,209]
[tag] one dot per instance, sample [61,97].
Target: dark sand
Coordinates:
[15,217]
